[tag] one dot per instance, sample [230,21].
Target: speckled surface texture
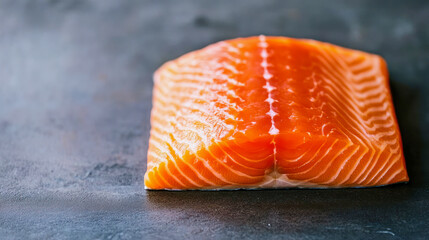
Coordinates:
[75,99]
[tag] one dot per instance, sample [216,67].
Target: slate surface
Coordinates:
[75,98]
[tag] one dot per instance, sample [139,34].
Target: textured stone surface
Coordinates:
[75,99]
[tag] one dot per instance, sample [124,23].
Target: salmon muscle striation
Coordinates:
[273,112]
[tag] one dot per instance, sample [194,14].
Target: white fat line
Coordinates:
[226,45]
[189,119]
[369,122]
[339,170]
[220,177]
[212,171]
[329,61]
[392,154]
[369,167]
[373,153]
[351,90]
[391,142]
[157,145]
[190,116]
[364,75]
[394,175]
[385,169]
[395,147]
[359,66]
[367,129]
[207,165]
[233,159]
[296,159]
[192,135]
[360,138]
[379,170]
[199,176]
[178,77]
[375,64]
[244,157]
[236,172]
[376,83]
[162,179]
[267,76]
[311,159]
[357,162]
[358,135]
[190,81]
[168,98]
[167,106]
[167,167]
[332,159]
[205,76]
[365,123]
[360,103]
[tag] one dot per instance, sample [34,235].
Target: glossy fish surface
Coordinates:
[273,112]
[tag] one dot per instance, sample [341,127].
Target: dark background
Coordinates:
[75,99]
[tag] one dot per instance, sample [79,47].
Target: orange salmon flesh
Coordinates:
[273,112]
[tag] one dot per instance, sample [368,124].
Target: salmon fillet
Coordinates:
[273,112]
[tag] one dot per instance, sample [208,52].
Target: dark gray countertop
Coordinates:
[75,98]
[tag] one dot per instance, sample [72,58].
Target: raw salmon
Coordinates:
[273,112]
